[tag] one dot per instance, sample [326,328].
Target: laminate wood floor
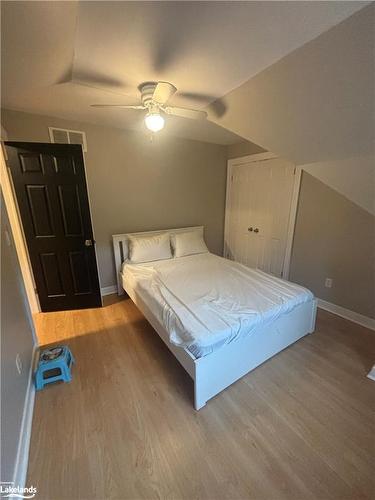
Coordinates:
[301,426]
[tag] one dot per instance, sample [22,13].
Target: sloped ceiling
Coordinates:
[317,103]
[59,57]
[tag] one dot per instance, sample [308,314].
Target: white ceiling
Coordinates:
[206,49]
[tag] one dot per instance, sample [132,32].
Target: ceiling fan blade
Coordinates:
[163,92]
[201,98]
[186,113]
[124,106]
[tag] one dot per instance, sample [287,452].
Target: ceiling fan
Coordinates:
[154,98]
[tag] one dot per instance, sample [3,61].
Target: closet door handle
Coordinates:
[250,229]
[256,230]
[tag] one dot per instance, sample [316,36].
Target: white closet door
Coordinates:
[259,201]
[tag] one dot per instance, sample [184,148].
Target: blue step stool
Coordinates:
[54,364]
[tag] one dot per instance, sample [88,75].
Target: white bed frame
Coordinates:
[215,372]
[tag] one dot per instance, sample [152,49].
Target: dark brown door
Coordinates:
[50,185]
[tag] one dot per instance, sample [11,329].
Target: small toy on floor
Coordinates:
[54,364]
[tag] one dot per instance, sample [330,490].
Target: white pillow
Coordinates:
[188,243]
[149,248]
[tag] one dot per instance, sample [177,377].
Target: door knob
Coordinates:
[88,243]
[256,230]
[250,229]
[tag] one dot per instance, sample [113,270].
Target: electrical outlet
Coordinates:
[19,364]
[328,283]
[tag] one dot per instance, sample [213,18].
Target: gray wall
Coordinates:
[244,148]
[352,177]
[334,238]
[135,185]
[16,338]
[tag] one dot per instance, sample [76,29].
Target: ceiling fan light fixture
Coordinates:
[154,99]
[154,122]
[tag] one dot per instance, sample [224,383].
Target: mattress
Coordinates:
[205,301]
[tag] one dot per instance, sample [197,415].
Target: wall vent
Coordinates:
[66,136]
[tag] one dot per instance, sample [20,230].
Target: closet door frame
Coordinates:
[245,160]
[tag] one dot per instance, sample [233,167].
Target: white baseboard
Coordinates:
[108,290]
[360,319]
[22,459]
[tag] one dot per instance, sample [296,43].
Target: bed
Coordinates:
[220,319]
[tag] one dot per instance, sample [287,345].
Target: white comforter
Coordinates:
[204,300]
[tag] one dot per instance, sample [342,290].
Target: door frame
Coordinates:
[17,232]
[245,160]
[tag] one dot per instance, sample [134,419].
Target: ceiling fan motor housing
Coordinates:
[147,91]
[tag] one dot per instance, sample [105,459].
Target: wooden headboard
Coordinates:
[120,247]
